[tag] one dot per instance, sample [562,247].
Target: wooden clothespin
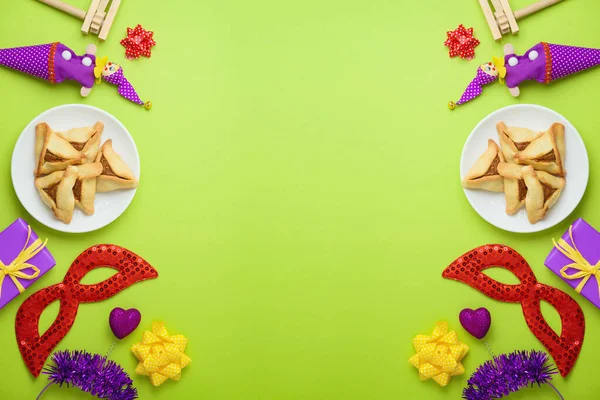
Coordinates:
[503,20]
[98,19]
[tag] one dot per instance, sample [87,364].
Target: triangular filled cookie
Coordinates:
[86,139]
[547,152]
[484,173]
[52,152]
[56,191]
[543,191]
[514,139]
[515,189]
[84,190]
[115,173]
[47,187]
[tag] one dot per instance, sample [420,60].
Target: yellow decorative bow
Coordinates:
[499,64]
[14,269]
[438,356]
[100,64]
[584,268]
[161,356]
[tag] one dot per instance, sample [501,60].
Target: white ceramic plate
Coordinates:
[109,206]
[491,206]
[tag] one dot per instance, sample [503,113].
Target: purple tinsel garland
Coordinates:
[92,373]
[508,373]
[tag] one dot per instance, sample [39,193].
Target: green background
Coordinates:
[300,192]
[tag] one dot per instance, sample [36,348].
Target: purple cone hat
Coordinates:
[113,74]
[486,74]
[52,62]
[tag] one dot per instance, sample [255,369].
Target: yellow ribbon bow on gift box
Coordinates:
[14,269]
[584,268]
[161,356]
[438,356]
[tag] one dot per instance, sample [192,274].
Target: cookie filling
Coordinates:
[522,190]
[78,146]
[51,191]
[493,169]
[51,157]
[77,190]
[521,145]
[548,191]
[106,169]
[547,158]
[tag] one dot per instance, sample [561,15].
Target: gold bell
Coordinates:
[148,105]
[451,105]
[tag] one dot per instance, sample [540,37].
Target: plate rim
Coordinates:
[533,226]
[65,227]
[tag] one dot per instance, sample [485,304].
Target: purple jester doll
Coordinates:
[56,63]
[544,63]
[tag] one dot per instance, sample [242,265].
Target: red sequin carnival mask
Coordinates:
[34,348]
[564,348]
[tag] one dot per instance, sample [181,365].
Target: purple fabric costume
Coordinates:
[53,62]
[125,88]
[476,86]
[546,62]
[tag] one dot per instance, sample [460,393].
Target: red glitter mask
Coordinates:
[34,348]
[564,348]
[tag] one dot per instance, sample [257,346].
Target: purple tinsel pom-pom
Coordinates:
[92,373]
[508,373]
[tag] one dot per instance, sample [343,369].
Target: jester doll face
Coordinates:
[489,68]
[110,68]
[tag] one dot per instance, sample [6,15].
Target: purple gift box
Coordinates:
[12,240]
[587,240]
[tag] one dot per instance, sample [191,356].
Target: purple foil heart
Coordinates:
[123,322]
[476,322]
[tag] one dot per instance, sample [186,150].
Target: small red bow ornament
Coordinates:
[139,42]
[461,43]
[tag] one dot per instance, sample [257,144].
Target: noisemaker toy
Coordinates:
[98,19]
[544,63]
[504,20]
[56,63]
